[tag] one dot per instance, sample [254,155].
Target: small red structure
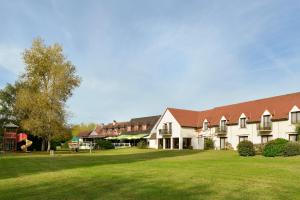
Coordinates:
[10,138]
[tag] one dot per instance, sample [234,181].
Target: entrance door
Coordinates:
[160,143]
[222,142]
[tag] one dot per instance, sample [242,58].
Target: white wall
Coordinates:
[177,132]
[197,142]
[168,117]
[153,144]
[280,129]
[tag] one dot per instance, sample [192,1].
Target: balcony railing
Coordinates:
[165,132]
[221,130]
[266,127]
[10,135]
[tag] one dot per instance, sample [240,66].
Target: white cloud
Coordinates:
[11,59]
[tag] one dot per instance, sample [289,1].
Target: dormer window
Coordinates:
[223,124]
[266,121]
[295,117]
[205,126]
[242,122]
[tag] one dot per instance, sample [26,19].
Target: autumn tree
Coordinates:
[78,128]
[46,85]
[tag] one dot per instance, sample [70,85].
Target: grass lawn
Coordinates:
[148,174]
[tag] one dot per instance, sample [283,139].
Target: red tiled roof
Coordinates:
[84,134]
[278,106]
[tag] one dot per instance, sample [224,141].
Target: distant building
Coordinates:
[129,132]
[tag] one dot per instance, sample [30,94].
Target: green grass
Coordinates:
[148,174]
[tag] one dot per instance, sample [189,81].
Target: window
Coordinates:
[170,127]
[223,142]
[205,126]
[243,138]
[140,127]
[243,123]
[295,117]
[267,121]
[266,138]
[165,127]
[223,125]
[293,137]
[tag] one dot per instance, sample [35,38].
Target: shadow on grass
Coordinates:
[11,167]
[109,187]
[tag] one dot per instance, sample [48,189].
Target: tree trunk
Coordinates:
[49,146]
[43,145]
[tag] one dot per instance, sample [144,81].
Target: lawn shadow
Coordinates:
[15,166]
[111,187]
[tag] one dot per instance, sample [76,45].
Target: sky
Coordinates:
[138,57]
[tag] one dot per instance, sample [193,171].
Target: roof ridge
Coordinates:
[256,100]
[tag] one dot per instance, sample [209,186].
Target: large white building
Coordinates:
[258,121]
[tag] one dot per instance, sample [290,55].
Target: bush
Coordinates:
[208,144]
[246,148]
[258,148]
[105,144]
[142,144]
[291,149]
[228,146]
[275,147]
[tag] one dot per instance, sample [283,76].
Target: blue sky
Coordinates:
[137,57]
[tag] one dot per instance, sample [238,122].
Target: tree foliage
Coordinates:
[7,105]
[78,128]
[275,147]
[246,148]
[46,85]
[298,128]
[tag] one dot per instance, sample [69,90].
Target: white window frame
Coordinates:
[297,119]
[245,124]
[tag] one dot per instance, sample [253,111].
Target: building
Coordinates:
[122,132]
[258,121]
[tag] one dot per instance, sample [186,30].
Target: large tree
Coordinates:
[46,85]
[7,102]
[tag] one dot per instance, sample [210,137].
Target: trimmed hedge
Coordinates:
[105,144]
[208,144]
[246,148]
[142,145]
[275,147]
[291,149]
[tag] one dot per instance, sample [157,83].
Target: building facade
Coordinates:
[130,132]
[258,121]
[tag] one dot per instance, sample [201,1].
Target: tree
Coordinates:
[46,85]
[7,105]
[78,128]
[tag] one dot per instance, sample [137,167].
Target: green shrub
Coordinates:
[275,147]
[258,148]
[228,146]
[142,144]
[208,144]
[65,146]
[246,148]
[291,149]
[104,144]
